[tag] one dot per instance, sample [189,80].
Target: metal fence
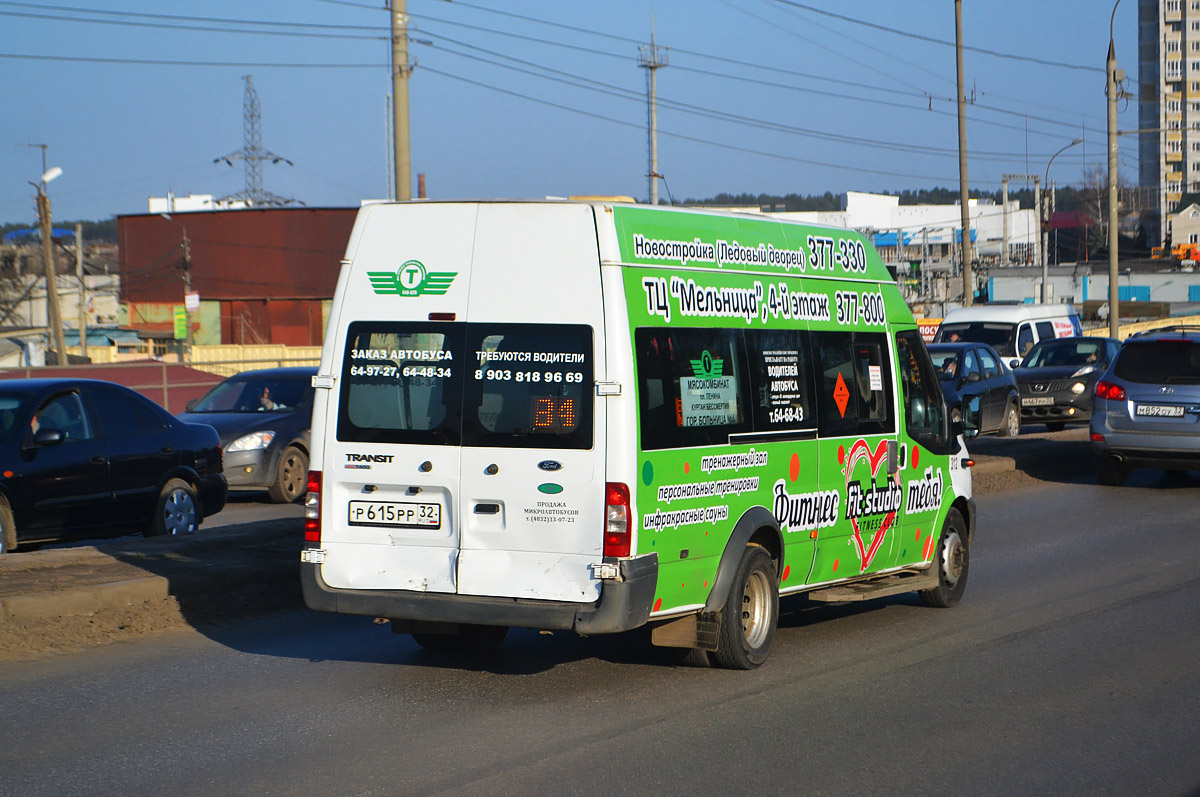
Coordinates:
[171,384]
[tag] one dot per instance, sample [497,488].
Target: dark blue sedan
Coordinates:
[81,458]
[975,369]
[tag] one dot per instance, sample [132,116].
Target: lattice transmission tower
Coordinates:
[252,155]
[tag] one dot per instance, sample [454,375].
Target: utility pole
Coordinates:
[185,246]
[964,197]
[1004,252]
[55,314]
[82,288]
[652,58]
[1114,77]
[401,146]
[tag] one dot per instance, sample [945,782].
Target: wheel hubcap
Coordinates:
[953,556]
[179,513]
[756,610]
[291,477]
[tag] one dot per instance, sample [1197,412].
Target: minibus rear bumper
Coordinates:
[624,603]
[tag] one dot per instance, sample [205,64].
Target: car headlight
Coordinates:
[1087,369]
[252,441]
[1078,388]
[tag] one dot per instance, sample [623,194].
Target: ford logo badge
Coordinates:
[549,464]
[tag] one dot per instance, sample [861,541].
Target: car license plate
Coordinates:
[385,513]
[1159,410]
[1037,401]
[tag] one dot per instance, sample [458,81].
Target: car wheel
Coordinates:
[751,613]
[1109,473]
[8,528]
[291,477]
[1011,425]
[953,563]
[1055,426]
[177,511]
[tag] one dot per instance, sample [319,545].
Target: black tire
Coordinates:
[177,510]
[953,563]
[751,613]
[1109,473]
[469,639]
[1010,425]
[1055,426]
[291,477]
[693,657]
[8,528]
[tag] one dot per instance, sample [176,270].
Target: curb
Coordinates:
[82,600]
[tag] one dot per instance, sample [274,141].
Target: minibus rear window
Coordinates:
[528,386]
[402,383]
[505,385]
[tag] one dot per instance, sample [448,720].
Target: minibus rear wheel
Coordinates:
[751,613]
[953,561]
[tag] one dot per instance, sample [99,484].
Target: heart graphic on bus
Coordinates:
[861,450]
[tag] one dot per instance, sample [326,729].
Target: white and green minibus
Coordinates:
[594,416]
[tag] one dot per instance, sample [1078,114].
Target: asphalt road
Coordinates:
[1070,667]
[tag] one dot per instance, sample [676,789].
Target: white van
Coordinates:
[1010,329]
[592,416]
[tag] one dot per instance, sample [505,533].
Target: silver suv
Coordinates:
[1147,407]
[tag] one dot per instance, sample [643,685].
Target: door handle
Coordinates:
[98,460]
[487,509]
[166,450]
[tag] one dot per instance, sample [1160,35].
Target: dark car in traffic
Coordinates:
[84,458]
[1058,376]
[264,419]
[967,370]
[1147,406]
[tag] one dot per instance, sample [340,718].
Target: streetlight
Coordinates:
[55,315]
[1045,233]
[187,276]
[1113,75]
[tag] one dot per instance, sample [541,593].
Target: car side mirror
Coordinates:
[48,437]
[1014,363]
[973,376]
[970,418]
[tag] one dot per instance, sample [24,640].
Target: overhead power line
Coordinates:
[933,40]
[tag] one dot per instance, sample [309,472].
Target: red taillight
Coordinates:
[1097,437]
[312,508]
[618,536]
[1108,390]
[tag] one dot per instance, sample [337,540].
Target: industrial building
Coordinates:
[257,275]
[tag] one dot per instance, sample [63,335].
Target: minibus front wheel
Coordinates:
[952,561]
[751,612]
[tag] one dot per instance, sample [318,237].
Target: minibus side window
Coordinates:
[693,386]
[1024,340]
[782,380]
[924,407]
[854,383]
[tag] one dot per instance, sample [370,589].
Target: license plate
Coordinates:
[1037,401]
[1159,410]
[394,513]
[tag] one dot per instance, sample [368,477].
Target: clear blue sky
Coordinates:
[526,99]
